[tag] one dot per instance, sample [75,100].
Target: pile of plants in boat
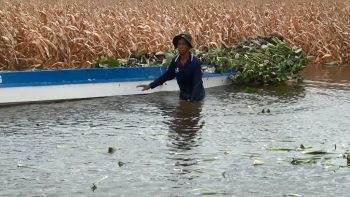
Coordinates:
[139,58]
[264,60]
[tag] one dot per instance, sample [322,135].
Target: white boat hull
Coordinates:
[13,95]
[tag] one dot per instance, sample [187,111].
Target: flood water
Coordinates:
[166,147]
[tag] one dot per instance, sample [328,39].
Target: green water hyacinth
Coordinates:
[272,63]
[106,62]
[263,60]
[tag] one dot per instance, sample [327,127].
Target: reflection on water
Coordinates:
[184,132]
[184,128]
[184,136]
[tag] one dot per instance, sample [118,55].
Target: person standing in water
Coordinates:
[187,70]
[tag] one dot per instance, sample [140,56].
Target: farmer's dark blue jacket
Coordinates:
[188,76]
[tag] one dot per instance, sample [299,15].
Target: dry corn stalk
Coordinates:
[71,34]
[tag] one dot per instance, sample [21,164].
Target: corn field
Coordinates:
[47,34]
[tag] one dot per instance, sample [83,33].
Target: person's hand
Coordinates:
[144,87]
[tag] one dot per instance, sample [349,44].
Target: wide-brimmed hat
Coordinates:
[185,36]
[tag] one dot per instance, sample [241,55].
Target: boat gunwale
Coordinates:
[91,79]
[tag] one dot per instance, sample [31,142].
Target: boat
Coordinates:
[69,84]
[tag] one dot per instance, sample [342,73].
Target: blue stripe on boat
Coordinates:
[82,76]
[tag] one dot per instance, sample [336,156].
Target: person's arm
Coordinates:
[168,75]
[197,91]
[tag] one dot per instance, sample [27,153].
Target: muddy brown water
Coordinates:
[166,147]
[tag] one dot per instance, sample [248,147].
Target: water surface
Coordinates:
[167,147]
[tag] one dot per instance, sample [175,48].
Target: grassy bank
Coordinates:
[72,34]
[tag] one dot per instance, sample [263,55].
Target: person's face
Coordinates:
[183,46]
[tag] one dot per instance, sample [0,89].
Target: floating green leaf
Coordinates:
[315,152]
[28,166]
[301,161]
[291,195]
[205,192]
[214,193]
[250,155]
[250,90]
[279,149]
[208,159]
[257,162]
[197,170]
